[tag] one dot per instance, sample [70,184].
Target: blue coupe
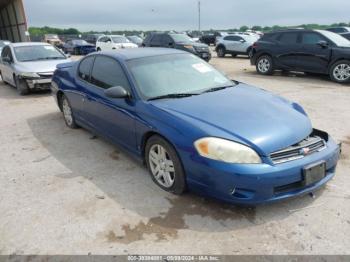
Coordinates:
[194,128]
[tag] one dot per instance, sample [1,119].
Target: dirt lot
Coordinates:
[64,192]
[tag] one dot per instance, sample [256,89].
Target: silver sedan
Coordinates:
[29,66]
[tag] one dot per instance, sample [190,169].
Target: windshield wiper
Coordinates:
[213,89]
[173,96]
[49,58]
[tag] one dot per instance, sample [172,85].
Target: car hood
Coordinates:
[39,66]
[244,114]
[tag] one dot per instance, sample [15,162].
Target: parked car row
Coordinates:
[192,126]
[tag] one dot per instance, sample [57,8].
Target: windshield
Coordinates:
[180,38]
[136,39]
[335,38]
[174,74]
[37,52]
[120,39]
[80,42]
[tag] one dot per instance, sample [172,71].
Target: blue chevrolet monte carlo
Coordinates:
[194,128]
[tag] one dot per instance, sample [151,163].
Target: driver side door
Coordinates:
[111,117]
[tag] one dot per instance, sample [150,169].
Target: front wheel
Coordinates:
[164,165]
[221,51]
[21,86]
[340,72]
[98,49]
[67,112]
[264,65]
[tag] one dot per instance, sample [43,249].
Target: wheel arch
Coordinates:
[331,64]
[220,46]
[59,96]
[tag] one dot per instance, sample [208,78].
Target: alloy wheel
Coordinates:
[264,65]
[161,165]
[342,72]
[67,112]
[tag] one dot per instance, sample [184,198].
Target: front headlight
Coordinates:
[190,47]
[29,75]
[226,151]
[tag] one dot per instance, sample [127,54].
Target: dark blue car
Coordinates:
[194,128]
[78,47]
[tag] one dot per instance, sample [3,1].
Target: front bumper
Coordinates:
[256,184]
[38,83]
[204,55]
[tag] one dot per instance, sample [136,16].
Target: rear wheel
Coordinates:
[164,165]
[67,112]
[264,65]
[234,55]
[340,72]
[221,51]
[98,49]
[21,86]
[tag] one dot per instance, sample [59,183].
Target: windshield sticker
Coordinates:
[202,68]
[49,47]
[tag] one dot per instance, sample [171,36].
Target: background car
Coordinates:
[112,42]
[339,30]
[235,44]
[78,47]
[92,38]
[135,39]
[210,38]
[29,66]
[311,51]
[177,41]
[53,39]
[3,43]
[194,128]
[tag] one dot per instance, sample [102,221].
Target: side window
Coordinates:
[6,52]
[289,38]
[312,38]
[232,38]
[85,68]
[107,73]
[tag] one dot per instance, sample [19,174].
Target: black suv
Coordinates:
[178,41]
[310,51]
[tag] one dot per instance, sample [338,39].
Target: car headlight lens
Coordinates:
[29,75]
[226,151]
[189,47]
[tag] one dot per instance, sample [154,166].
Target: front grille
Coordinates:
[201,49]
[45,75]
[308,146]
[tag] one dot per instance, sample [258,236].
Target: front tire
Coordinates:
[67,112]
[164,165]
[340,72]
[221,51]
[21,86]
[264,65]
[98,49]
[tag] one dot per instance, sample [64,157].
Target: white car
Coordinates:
[235,44]
[112,42]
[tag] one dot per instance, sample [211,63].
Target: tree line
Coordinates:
[40,31]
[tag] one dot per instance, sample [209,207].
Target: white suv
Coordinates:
[235,44]
[112,42]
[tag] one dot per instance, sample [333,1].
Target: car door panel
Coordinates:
[114,118]
[7,68]
[288,50]
[314,57]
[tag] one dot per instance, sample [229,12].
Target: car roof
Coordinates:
[135,53]
[29,44]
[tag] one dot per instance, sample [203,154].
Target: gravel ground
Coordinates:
[63,191]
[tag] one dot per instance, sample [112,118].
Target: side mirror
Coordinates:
[109,41]
[323,44]
[116,92]
[242,41]
[6,59]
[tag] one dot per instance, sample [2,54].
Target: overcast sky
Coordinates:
[182,14]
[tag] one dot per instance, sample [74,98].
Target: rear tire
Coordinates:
[221,51]
[264,65]
[98,49]
[234,55]
[21,86]
[340,72]
[164,165]
[67,111]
